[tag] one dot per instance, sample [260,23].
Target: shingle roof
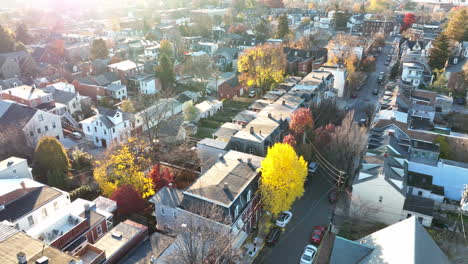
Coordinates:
[35,198]
[63,96]
[17,114]
[347,251]
[168,196]
[419,204]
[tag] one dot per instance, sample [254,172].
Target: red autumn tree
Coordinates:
[161,178]
[408,21]
[301,119]
[128,200]
[322,135]
[289,139]
[237,28]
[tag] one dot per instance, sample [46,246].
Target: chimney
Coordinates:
[249,161]
[269,115]
[220,156]
[23,185]
[9,163]
[284,102]
[252,131]
[260,132]
[21,256]
[226,186]
[87,211]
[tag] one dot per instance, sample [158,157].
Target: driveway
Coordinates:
[312,209]
[365,95]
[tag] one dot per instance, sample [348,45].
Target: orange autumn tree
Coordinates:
[301,120]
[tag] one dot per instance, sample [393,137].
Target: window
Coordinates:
[39,130]
[97,140]
[99,230]
[41,118]
[95,129]
[105,132]
[249,194]
[54,126]
[162,211]
[31,133]
[175,215]
[89,130]
[380,199]
[251,150]
[30,220]
[113,130]
[125,124]
[236,211]
[74,105]
[17,226]
[44,212]
[420,219]
[46,128]
[420,193]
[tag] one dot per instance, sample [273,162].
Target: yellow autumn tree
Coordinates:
[283,177]
[262,66]
[124,165]
[377,6]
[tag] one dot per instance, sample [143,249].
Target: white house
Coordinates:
[208,108]
[340,76]
[161,110]
[25,202]
[15,168]
[107,127]
[31,122]
[145,83]
[412,72]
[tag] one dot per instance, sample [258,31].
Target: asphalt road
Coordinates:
[312,209]
[365,96]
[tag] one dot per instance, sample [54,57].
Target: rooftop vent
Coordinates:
[252,131]
[284,102]
[42,260]
[21,256]
[10,163]
[116,235]
[226,186]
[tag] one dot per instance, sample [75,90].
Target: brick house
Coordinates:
[230,88]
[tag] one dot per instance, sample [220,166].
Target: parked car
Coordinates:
[308,256]
[332,196]
[252,94]
[317,234]
[381,77]
[460,101]
[375,91]
[353,95]
[386,63]
[76,135]
[313,166]
[273,236]
[283,218]
[363,122]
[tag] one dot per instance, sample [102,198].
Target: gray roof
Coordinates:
[10,83]
[168,196]
[245,116]
[404,242]
[114,87]
[111,76]
[17,54]
[347,251]
[63,96]
[17,114]
[213,143]
[419,204]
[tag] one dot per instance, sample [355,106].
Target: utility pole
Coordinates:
[340,187]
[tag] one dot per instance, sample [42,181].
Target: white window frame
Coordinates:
[236,211]
[30,220]
[99,230]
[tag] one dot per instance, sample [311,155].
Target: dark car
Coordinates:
[354,95]
[317,234]
[273,236]
[332,196]
[460,101]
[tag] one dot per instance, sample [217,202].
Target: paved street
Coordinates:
[365,95]
[312,209]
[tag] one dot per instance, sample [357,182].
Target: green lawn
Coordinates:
[206,127]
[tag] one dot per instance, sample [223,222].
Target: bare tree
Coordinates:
[347,144]
[13,142]
[205,240]
[327,112]
[152,117]
[202,69]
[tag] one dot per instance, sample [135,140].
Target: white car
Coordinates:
[308,256]
[283,218]
[313,166]
[76,135]
[252,94]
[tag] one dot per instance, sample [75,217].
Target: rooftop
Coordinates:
[11,161]
[119,237]
[419,204]
[54,227]
[26,92]
[124,65]
[235,170]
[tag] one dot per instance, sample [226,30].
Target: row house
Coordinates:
[224,197]
[28,125]
[30,96]
[371,27]
[144,84]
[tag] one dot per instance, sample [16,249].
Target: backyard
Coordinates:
[207,126]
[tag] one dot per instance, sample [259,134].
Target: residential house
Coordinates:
[162,110]
[10,83]
[29,96]
[230,88]
[15,168]
[384,246]
[16,64]
[27,203]
[209,150]
[244,117]
[108,126]
[267,128]
[224,197]
[209,48]
[27,123]
[96,87]
[340,76]
[412,72]
[373,26]
[124,69]
[121,239]
[303,61]
[18,247]
[144,83]
[209,108]
[225,58]
[226,131]
[187,97]
[65,101]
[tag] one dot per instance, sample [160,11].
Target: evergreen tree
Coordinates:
[440,84]
[165,73]
[99,49]
[394,72]
[57,178]
[7,42]
[283,27]
[439,53]
[49,158]
[165,49]
[22,34]
[262,30]
[457,26]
